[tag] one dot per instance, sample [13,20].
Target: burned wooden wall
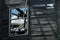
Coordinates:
[4,21]
[4,25]
[58,19]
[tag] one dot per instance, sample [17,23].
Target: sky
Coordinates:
[16,12]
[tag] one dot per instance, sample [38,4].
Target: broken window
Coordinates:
[18,21]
